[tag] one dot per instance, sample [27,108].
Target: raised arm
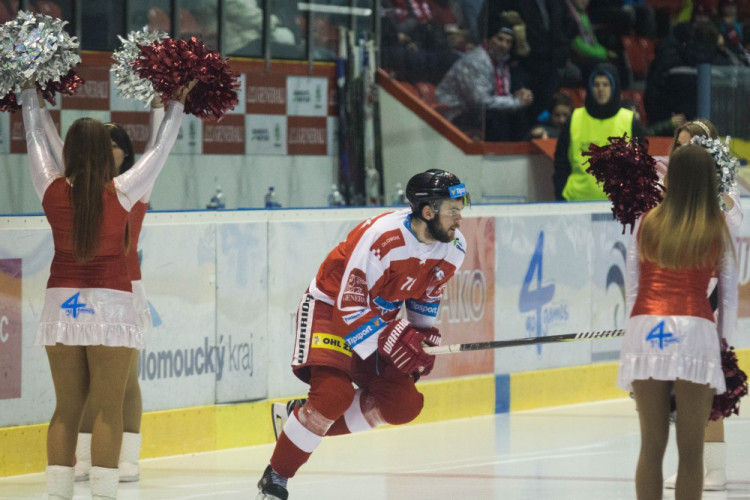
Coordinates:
[728,294]
[154,123]
[139,180]
[632,270]
[53,136]
[42,165]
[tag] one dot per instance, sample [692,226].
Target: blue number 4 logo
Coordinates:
[73,306]
[657,334]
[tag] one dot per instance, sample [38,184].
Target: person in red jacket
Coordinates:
[347,327]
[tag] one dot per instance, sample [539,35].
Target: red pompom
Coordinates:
[68,85]
[9,103]
[628,177]
[172,63]
[728,403]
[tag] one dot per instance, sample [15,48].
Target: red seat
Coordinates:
[577,95]
[639,52]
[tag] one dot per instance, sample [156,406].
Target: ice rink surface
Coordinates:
[580,452]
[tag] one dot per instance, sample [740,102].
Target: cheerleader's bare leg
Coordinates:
[694,403]
[652,401]
[70,376]
[109,373]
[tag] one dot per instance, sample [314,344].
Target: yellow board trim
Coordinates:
[563,386]
[217,427]
[332,342]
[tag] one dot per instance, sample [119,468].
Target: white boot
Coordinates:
[104,483]
[60,482]
[83,456]
[715,462]
[129,453]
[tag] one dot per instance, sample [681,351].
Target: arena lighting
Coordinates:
[334,9]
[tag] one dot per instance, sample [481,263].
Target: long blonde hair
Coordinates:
[89,166]
[687,230]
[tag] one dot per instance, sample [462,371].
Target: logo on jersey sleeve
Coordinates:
[355,293]
[423,308]
[73,308]
[387,242]
[386,306]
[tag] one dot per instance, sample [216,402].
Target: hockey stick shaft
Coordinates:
[498,344]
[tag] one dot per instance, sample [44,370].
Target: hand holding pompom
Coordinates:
[628,176]
[130,84]
[172,63]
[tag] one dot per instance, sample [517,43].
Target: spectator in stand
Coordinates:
[663,128]
[553,120]
[623,17]
[471,10]
[731,31]
[671,86]
[413,44]
[586,51]
[600,118]
[487,83]
[548,26]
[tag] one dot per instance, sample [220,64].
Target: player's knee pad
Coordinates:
[331,392]
[402,407]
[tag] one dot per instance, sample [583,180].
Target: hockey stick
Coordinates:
[497,344]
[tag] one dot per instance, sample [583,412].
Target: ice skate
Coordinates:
[280,413]
[268,490]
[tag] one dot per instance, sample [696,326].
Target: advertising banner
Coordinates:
[467,311]
[265,134]
[242,310]
[266,94]
[182,361]
[307,96]
[296,250]
[544,275]
[11,356]
[94,93]
[226,136]
[24,268]
[307,135]
[608,284]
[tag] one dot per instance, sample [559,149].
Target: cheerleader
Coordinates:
[672,342]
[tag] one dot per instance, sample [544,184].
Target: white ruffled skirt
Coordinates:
[141,306]
[670,348]
[89,316]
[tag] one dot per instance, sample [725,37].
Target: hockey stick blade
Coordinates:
[498,344]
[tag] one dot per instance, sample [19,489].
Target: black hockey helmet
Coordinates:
[433,186]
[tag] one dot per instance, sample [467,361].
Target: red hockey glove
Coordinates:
[402,344]
[432,335]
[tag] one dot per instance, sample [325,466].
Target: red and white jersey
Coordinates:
[380,267]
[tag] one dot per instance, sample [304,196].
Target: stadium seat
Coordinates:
[639,52]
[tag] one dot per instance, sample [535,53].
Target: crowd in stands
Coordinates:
[510,70]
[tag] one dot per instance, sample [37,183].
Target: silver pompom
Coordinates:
[129,84]
[35,47]
[726,164]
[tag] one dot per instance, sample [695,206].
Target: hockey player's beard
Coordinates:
[437,232]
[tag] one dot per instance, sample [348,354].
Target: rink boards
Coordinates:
[224,286]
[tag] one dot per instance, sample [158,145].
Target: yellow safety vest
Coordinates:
[584,130]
